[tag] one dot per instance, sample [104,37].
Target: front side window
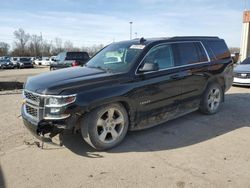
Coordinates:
[117,57]
[161,55]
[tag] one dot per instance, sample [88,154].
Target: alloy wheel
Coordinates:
[110,125]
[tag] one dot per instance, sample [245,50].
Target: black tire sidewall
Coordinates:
[88,128]
[204,104]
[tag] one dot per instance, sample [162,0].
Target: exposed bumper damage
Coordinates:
[44,131]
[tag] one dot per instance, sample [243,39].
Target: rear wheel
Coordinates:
[105,127]
[212,99]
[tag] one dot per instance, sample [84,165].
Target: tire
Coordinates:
[212,99]
[102,130]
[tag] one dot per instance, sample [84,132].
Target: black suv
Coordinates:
[129,85]
[69,59]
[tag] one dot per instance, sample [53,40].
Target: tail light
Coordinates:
[75,63]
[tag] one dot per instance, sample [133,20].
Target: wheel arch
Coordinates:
[128,106]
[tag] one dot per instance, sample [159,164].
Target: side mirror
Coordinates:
[147,67]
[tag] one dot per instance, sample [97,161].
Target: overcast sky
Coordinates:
[87,22]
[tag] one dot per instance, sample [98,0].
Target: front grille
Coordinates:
[32,97]
[242,75]
[31,111]
[33,105]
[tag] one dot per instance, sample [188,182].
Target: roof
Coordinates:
[147,41]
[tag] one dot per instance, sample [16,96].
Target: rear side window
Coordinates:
[189,53]
[77,56]
[217,49]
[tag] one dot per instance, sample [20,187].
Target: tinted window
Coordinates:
[246,61]
[201,52]
[77,56]
[24,59]
[188,53]
[162,55]
[218,48]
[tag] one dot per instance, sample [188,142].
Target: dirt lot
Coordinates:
[193,151]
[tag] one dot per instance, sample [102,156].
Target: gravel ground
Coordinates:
[192,151]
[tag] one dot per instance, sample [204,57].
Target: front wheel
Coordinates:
[212,99]
[105,127]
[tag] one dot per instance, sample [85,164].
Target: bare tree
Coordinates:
[57,47]
[35,45]
[92,50]
[4,48]
[47,48]
[68,45]
[21,39]
[234,50]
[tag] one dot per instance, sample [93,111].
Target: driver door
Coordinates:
[158,92]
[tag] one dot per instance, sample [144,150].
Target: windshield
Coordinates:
[60,57]
[246,61]
[24,59]
[117,57]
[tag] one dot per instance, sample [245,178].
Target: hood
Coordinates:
[55,82]
[242,68]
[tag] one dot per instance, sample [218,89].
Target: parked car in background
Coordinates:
[69,59]
[24,62]
[242,73]
[145,83]
[6,64]
[15,60]
[42,61]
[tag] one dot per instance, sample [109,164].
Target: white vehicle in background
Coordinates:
[45,61]
[15,61]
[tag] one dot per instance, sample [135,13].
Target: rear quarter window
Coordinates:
[217,49]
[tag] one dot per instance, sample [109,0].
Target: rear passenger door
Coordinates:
[193,63]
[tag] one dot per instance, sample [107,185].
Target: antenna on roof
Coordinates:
[142,40]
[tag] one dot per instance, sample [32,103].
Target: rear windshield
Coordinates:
[77,56]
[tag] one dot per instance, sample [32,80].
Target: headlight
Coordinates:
[59,101]
[55,106]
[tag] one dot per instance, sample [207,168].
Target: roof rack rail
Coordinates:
[195,37]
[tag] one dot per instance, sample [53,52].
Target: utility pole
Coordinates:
[130,30]
[136,34]
[42,42]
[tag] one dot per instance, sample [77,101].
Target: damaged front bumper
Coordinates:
[45,130]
